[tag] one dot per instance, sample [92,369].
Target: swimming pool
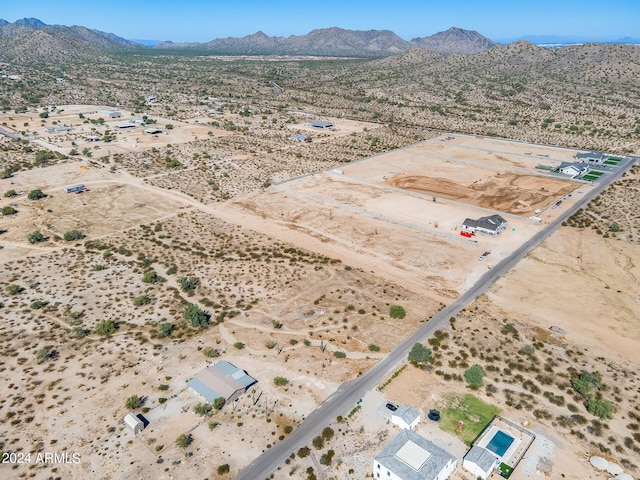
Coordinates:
[500,443]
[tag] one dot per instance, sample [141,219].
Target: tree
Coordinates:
[238,345]
[105,327]
[165,329]
[141,300]
[188,283]
[133,402]
[45,354]
[72,235]
[218,403]
[13,289]
[42,156]
[600,408]
[374,348]
[396,311]
[474,376]
[36,237]
[223,469]
[37,304]
[8,210]
[184,440]
[36,194]
[150,276]
[339,354]
[202,409]
[318,442]
[210,352]
[327,433]
[196,316]
[79,332]
[419,356]
[280,381]
[303,452]
[586,382]
[10,193]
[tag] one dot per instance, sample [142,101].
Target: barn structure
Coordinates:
[223,379]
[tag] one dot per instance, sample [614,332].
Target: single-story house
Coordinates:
[132,421]
[153,131]
[573,169]
[492,225]
[59,129]
[136,120]
[406,417]
[480,462]
[221,380]
[590,157]
[412,457]
[320,124]
[110,113]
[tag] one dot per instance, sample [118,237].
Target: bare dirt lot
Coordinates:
[507,192]
[413,236]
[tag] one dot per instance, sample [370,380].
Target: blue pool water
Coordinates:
[500,443]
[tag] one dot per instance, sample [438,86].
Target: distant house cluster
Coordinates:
[491,225]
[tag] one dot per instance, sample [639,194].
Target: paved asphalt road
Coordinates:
[346,396]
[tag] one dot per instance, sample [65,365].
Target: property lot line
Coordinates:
[378,216]
[426,196]
[480,164]
[506,140]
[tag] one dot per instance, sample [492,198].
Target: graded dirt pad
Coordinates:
[389,213]
[507,192]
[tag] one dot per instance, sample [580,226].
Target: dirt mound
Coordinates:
[507,192]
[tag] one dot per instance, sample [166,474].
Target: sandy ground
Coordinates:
[373,246]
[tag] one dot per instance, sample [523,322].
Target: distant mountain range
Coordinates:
[322,42]
[340,42]
[30,39]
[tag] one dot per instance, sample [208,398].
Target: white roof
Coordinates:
[413,455]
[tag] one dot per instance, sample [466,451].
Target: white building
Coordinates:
[412,457]
[480,462]
[110,113]
[492,225]
[406,417]
[573,169]
[133,422]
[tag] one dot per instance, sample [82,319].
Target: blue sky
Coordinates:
[202,20]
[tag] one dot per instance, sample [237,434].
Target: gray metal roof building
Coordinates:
[221,380]
[321,124]
[412,457]
[595,157]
